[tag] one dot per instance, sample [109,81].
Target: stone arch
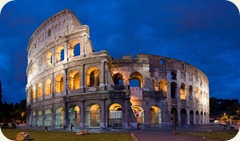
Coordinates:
[197,117]
[74,80]
[138,113]
[182,92]
[93,115]
[174,116]
[49,59]
[183,117]
[59,54]
[59,119]
[48,117]
[173,75]
[59,83]
[115,115]
[33,119]
[136,80]
[33,92]
[163,87]
[74,48]
[191,120]
[93,77]
[39,90]
[155,115]
[40,118]
[173,89]
[74,115]
[48,87]
[196,93]
[118,79]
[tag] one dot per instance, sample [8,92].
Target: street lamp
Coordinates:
[22,114]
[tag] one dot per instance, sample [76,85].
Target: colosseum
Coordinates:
[70,83]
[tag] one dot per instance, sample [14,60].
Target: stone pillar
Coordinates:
[103,114]
[83,78]
[66,120]
[66,81]
[103,73]
[52,85]
[82,115]
[53,115]
[188,116]
[146,113]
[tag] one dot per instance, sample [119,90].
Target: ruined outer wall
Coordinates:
[156,68]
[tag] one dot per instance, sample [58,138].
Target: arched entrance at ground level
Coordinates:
[201,118]
[59,117]
[183,117]
[155,115]
[197,117]
[191,117]
[174,116]
[48,118]
[33,119]
[115,115]
[74,116]
[93,116]
[139,113]
[39,123]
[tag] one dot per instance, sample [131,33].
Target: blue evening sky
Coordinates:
[203,33]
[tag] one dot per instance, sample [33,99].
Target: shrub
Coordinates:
[14,125]
[5,125]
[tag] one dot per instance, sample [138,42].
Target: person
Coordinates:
[71,126]
[46,128]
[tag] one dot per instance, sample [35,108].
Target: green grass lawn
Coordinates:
[67,136]
[215,135]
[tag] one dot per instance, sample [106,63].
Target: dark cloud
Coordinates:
[202,33]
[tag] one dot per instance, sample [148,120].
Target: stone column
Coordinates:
[103,73]
[103,114]
[53,116]
[82,115]
[66,120]
[52,85]
[146,113]
[188,116]
[66,81]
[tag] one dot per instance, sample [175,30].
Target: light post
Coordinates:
[22,114]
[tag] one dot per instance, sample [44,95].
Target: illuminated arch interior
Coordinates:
[59,83]
[74,80]
[118,79]
[93,115]
[59,117]
[163,87]
[48,117]
[39,90]
[155,115]
[74,115]
[49,59]
[59,54]
[182,92]
[136,80]
[48,87]
[74,49]
[92,77]
[139,113]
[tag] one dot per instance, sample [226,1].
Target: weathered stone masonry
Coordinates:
[70,83]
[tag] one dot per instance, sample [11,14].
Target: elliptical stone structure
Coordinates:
[71,84]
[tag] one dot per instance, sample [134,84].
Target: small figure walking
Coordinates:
[71,126]
[46,128]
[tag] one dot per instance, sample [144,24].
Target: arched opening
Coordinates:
[92,78]
[163,87]
[190,90]
[74,80]
[48,118]
[174,116]
[48,87]
[74,116]
[39,90]
[182,92]
[40,117]
[59,117]
[33,92]
[201,118]
[49,59]
[115,115]
[173,75]
[59,84]
[197,117]
[173,89]
[196,93]
[183,117]
[139,113]
[93,116]
[191,117]
[33,120]
[136,80]
[155,115]
[74,49]
[118,79]
[59,54]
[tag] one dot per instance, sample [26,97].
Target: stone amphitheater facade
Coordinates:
[69,83]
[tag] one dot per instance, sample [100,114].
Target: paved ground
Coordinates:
[162,136]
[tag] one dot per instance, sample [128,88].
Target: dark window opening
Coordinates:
[173,76]
[161,62]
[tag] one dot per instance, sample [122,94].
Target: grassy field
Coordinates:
[216,135]
[68,136]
